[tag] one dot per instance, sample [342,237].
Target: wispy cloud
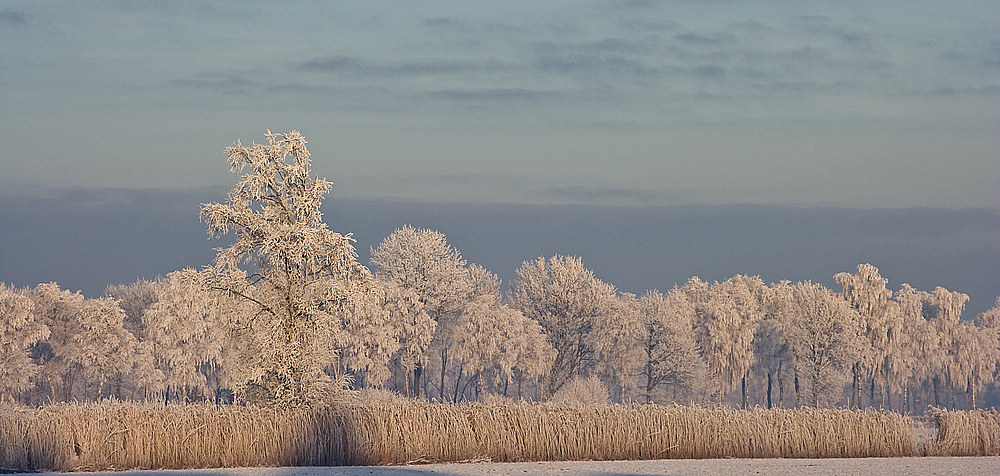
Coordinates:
[227,85]
[361,67]
[496,94]
[13,17]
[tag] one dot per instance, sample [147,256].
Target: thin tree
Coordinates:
[569,302]
[421,260]
[823,333]
[670,354]
[729,321]
[18,332]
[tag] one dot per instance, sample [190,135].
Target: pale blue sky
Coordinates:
[833,103]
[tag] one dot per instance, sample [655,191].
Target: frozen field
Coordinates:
[857,466]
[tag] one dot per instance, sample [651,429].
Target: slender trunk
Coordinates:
[418,370]
[972,392]
[871,393]
[815,388]
[798,394]
[781,386]
[769,391]
[856,388]
[444,365]
[458,381]
[52,388]
[746,399]
[885,396]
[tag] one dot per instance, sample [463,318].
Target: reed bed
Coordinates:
[152,436]
[967,433]
[137,436]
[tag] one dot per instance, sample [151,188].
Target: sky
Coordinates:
[656,139]
[831,103]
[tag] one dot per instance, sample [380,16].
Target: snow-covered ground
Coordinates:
[793,467]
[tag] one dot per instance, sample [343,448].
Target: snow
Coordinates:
[736,467]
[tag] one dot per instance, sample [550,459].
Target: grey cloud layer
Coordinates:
[748,59]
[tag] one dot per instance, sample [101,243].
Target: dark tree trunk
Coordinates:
[769,406]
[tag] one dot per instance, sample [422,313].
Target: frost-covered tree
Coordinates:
[104,348]
[422,261]
[497,342]
[296,277]
[414,331]
[669,348]
[771,347]
[823,334]
[867,293]
[18,332]
[728,323]
[569,303]
[988,369]
[87,343]
[617,338]
[182,333]
[921,352]
[58,310]
[945,308]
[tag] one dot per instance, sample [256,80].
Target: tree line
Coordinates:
[287,315]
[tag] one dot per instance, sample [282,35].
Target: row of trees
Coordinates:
[287,315]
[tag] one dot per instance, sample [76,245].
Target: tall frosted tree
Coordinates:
[571,305]
[414,331]
[729,322]
[945,308]
[104,348]
[18,332]
[771,344]
[988,368]
[669,348]
[421,260]
[293,274]
[58,309]
[182,333]
[824,335]
[922,350]
[867,293]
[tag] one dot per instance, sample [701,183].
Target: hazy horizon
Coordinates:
[85,239]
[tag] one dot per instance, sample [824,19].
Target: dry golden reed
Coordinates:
[154,436]
[968,433]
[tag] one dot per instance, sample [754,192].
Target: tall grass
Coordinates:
[968,433]
[147,436]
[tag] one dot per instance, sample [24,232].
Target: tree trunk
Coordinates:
[798,395]
[769,390]
[871,393]
[418,370]
[972,393]
[746,399]
[458,381]
[781,386]
[444,365]
[856,393]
